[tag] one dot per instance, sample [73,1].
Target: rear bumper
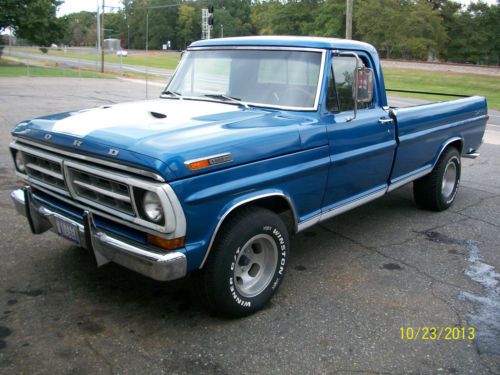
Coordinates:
[106,248]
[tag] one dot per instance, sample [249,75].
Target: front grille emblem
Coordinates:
[48,136]
[113,152]
[77,143]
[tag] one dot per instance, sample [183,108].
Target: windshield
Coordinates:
[274,78]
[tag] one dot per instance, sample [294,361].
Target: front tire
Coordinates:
[437,190]
[246,265]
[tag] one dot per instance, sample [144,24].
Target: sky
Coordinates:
[72,6]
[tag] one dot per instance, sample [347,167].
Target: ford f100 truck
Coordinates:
[254,139]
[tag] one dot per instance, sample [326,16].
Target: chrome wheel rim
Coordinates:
[255,265]
[449,179]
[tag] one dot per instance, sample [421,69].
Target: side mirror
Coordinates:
[364,85]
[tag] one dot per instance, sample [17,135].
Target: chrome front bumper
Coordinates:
[158,266]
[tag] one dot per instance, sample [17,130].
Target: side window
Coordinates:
[331,94]
[343,72]
[340,96]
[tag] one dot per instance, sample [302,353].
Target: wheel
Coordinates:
[246,265]
[437,190]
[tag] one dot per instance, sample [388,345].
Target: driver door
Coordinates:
[362,143]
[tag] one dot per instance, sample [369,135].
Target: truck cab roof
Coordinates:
[286,41]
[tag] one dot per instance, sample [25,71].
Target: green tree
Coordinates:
[377,30]
[187,29]
[289,18]
[328,19]
[233,15]
[407,29]
[79,29]
[33,20]
[474,35]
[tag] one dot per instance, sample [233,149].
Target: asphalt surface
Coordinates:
[352,282]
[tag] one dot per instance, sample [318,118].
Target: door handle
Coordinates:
[385,121]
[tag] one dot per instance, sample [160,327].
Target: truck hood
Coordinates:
[163,134]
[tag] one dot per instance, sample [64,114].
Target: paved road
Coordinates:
[82,63]
[352,283]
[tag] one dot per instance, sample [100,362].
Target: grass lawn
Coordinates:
[154,59]
[13,69]
[445,82]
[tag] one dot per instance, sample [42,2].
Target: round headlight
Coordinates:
[19,160]
[152,207]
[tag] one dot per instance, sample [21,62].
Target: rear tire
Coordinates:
[246,265]
[437,190]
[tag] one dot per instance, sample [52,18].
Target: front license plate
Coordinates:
[68,231]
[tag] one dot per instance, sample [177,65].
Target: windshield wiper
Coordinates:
[172,93]
[227,98]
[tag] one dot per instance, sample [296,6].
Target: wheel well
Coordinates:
[275,203]
[458,144]
[278,204]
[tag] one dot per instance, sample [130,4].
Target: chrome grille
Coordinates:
[44,169]
[98,186]
[100,190]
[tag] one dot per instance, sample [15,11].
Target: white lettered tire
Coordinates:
[247,263]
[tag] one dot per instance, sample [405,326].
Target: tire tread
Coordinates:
[427,189]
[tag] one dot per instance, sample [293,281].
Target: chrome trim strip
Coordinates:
[341,209]
[251,199]
[308,223]
[18,145]
[108,193]
[319,83]
[45,171]
[406,180]
[227,155]
[446,144]
[106,248]
[257,47]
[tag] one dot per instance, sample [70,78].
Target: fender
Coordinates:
[445,145]
[240,201]
[425,170]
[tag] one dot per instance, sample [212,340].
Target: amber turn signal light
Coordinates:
[199,164]
[164,243]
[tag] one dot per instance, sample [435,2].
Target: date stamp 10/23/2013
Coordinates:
[433,333]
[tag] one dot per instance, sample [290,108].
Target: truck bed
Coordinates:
[423,129]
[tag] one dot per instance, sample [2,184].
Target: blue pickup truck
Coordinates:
[253,140]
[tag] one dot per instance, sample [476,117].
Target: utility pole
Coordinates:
[348,19]
[222,31]
[147,48]
[10,41]
[98,44]
[102,38]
